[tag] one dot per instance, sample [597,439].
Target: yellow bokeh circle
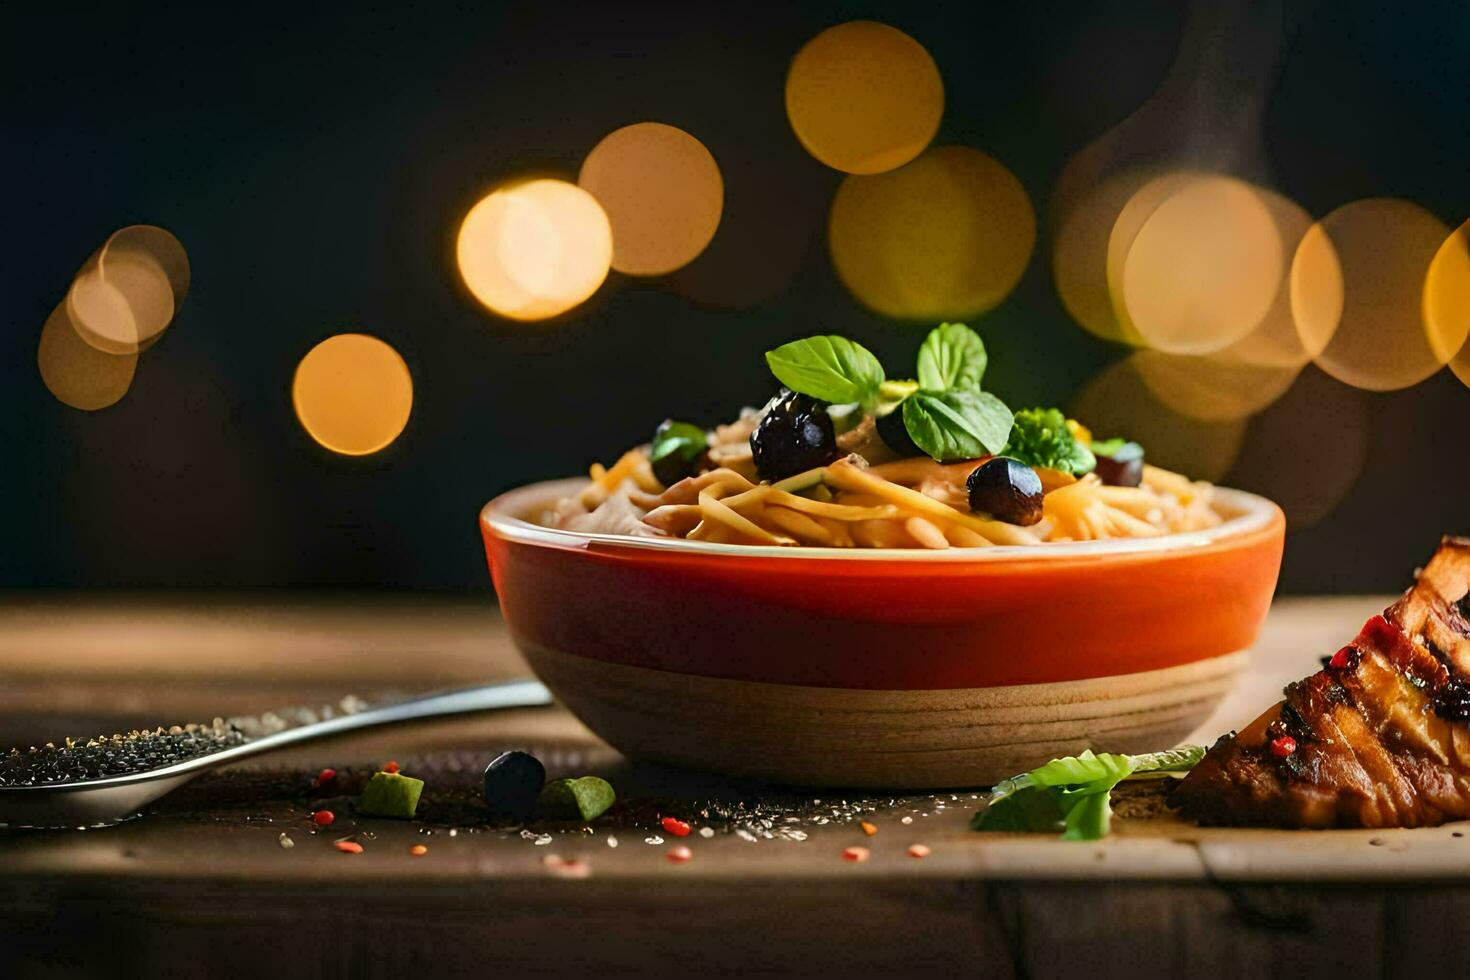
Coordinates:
[130,289]
[662,192]
[1358,290]
[535,249]
[353,394]
[864,97]
[77,373]
[946,236]
[1447,296]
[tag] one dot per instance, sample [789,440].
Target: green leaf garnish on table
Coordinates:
[1041,437]
[955,425]
[830,369]
[1073,794]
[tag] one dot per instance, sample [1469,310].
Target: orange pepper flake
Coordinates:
[869,829]
[348,847]
[390,767]
[324,818]
[680,854]
[418,850]
[919,851]
[675,826]
[856,854]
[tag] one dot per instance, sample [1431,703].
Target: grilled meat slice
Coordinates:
[1380,737]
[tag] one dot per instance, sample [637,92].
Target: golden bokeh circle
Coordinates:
[534,249]
[77,373]
[1081,247]
[1117,402]
[947,236]
[1358,281]
[864,97]
[662,192]
[1447,296]
[1211,387]
[353,394]
[129,291]
[1204,267]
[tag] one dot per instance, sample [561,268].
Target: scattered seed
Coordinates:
[285,841]
[324,818]
[856,854]
[919,851]
[680,854]
[348,846]
[906,819]
[653,839]
[324,777]
[675,826]
[418,850]
[708,832]
[612,841]
[869,829]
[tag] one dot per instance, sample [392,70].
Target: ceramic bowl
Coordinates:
[902,669]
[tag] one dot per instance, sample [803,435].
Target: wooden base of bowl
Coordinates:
[816,736]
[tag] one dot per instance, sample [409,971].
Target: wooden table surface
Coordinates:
[203,886]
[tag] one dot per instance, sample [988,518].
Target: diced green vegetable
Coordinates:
[586,798]
[390,794]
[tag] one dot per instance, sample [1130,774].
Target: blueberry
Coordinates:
[796,434]
[512,783]
[1007,490]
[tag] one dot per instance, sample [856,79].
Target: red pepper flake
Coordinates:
[680,854]
[324,818]
[419,850]
[1340,658]
[348,846]
[324,777]
[869,829]
[390,767]
[919,851]
[856,854]
[675,826]
[1283,746]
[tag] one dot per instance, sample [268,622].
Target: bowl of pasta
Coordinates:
[805,596]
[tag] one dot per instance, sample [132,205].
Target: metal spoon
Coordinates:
[92,802]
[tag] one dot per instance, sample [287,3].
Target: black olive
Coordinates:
[895,434]
[684,458]
[1007,490]
[1122,470]
[513,781]
[796,434]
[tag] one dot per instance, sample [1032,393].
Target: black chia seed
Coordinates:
[115,755]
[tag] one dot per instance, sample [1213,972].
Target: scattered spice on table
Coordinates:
[919,851]
[324,818]
[418,850]
[323,778]
[675,826]
[680,854]
[856,854]
[868,828]
[285,841]
[391,767]
[348,846]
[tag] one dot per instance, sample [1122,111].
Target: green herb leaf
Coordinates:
[1073,793]
[1119,449]
[681,438]
[954,425]
[952,358]
[830,369]
[1041,437]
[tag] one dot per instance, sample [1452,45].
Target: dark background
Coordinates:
[316,163]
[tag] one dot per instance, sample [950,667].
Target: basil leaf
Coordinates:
[952,357]
[954,425]
[1030,810]
[1042,438]
[687,440]
[1085,768]
[1119,449]
[830,369]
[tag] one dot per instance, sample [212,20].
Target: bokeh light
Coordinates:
[1447,295]
[1308,450]
[864,97]
[1086,236]
[1358,282]
[1204,267]
[535,249]
[1211,387]
[947,236]
[77,373]
[353,394]
[129,291]
[662,192]
[1117,402]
